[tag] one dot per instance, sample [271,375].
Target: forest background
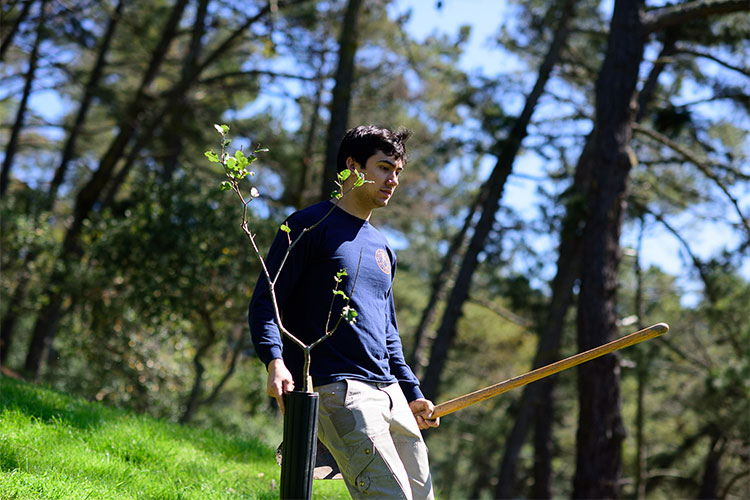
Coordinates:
[578,170]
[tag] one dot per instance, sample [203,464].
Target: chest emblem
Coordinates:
[384,263]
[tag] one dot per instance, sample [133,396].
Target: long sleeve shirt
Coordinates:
[370,349]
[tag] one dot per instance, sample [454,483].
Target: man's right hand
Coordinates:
[279,381]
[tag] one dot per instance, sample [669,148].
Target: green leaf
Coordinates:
[285,228]
[344,175]
[226,185]
[341,273]
[231,163]
[349,314]
[212,157]
[361,180]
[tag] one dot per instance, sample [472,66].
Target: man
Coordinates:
[371,407]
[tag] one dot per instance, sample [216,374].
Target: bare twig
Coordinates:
[700,164]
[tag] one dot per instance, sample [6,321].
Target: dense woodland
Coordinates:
[126,277]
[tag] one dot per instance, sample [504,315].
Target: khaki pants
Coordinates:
[372,434]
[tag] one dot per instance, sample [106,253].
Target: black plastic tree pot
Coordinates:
[299,445]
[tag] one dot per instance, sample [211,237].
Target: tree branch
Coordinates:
[673,15]
[703,167]
[706,55]
[254,72]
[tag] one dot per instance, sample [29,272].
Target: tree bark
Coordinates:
[543,442]
[600,429]
[12,147]
[675,15]
[537,396]
[709,489]
[8,39]
[193,400]
[341,99]
[642,360]
[495,185]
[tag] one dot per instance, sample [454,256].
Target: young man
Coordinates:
[370,405]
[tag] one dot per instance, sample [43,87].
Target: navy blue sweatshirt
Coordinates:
[370,350]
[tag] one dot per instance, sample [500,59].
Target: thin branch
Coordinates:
[504,313]
[674,15]
[703,167]
[253,72]
[706,55]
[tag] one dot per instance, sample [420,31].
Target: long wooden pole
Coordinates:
[462,402]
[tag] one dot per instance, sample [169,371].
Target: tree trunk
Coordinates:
[548,349]
[12,147]
[8,38]
[12,313]
[308,151]
[496,183]
[341,96]
[543,441]
[237,348]
[197,388]
[709,489]
[88,96]
[568,269]
[176,130]
[642,359]
[422,335]
[600,429]
[50,313]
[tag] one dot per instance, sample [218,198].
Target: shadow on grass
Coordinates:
[48,405]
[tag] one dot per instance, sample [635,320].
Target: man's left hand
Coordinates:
[422,410]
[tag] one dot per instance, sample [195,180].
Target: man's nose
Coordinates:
[392,179]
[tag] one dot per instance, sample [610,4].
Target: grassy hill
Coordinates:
[54,446]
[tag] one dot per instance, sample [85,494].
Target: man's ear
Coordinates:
[351,163]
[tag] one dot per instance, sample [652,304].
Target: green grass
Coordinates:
[54,446]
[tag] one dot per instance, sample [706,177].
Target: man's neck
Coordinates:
[349,205]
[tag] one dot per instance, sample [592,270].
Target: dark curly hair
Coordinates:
[362,142]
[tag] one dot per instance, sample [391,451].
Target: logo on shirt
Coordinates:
[384,263]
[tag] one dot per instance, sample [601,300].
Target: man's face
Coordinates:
[383,171]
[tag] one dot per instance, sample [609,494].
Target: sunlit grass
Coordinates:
[53,446]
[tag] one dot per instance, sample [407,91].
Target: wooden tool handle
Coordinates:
[462,402]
